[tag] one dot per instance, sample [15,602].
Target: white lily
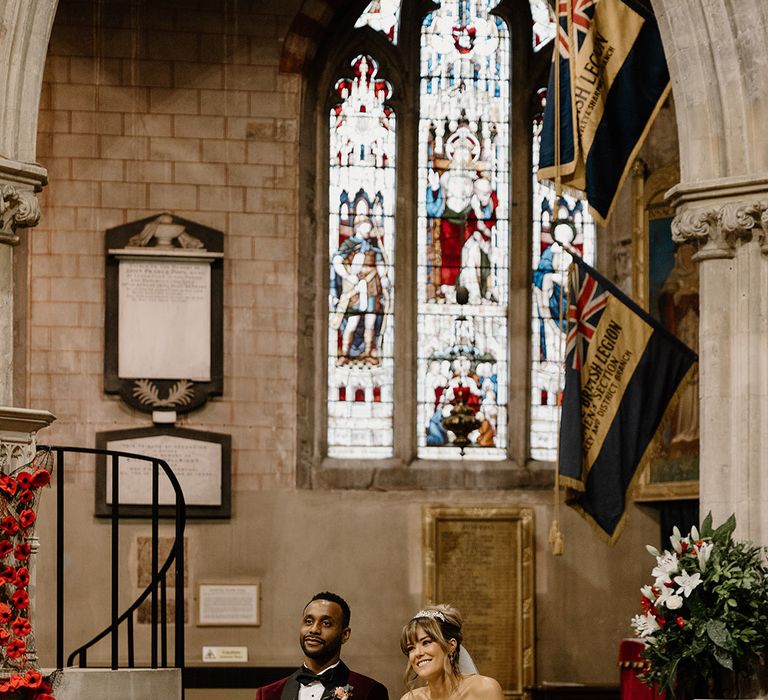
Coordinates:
[645,625]
[687,582]
[647,591]
[695,534]
[652,550]
[675,540]
[666,565]
[703,553]
[670,599]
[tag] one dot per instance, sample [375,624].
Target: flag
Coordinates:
[622,374]
[613,81]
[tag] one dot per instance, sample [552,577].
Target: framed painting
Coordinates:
[666,284]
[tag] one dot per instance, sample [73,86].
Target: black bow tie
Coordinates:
[305,677]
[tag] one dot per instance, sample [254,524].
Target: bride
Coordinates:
[432,643]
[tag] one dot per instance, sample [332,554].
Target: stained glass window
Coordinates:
[361,254]
[463,227]
[383,16]
[550,282]
[543,26]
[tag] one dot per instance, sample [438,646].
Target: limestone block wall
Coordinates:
[163,106]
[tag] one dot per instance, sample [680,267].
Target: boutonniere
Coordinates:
[342,692]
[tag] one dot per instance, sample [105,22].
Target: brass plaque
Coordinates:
[480,560]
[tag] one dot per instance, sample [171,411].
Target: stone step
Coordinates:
[123,684]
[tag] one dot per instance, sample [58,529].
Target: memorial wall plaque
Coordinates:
[480,560]
[164,314]
[200,461]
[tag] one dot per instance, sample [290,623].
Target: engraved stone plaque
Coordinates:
[480,560]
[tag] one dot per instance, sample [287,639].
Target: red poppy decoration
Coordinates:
[9,525]
[4,686]
[17,681]
[6,547]
[21,627]
[7,575]
[24,479]
[8,485]
[5,635]
[5,613]
[34,678]
[26,496]
[22,551]
[20,599]
[41,478]
[22,577]
[14,650]
[27,517]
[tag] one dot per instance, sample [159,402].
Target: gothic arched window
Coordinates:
[418,180]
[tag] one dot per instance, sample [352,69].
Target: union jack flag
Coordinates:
[582,13]
[587,300]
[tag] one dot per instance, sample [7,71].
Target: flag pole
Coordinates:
[556,541]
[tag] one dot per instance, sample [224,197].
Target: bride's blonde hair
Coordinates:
[442,623]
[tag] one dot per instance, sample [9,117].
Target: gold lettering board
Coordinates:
[481,560]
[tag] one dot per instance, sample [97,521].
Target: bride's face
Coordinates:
[427,658]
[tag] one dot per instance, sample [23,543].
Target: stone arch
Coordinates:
[718,59]
[306,32]
[25,28]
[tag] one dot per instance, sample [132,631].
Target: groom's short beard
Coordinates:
[324,653]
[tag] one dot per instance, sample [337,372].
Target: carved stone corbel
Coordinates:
[739,219]
[18,209]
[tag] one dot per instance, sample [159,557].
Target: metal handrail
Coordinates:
[159,574]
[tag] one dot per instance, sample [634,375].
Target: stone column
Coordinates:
[727,220]
[18,444]
[18,209]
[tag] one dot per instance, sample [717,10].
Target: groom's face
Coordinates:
[322,632]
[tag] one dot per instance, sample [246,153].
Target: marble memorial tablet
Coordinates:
[165,319]
[228,604]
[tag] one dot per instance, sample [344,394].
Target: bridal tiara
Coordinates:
[434,614]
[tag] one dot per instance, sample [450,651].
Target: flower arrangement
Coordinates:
[705,617]
[342,692]
[20,677]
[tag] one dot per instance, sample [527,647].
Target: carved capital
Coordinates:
[699,226]
[18,209]
[717,231]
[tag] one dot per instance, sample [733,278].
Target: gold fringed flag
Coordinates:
[613,80]
[622,373]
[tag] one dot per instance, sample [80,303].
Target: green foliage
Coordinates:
[706,609]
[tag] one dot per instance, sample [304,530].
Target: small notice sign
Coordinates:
[228,604]
[225,654]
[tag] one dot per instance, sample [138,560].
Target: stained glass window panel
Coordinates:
[383,16]
[543,26]
[463,228]
[550,283]
[361,254]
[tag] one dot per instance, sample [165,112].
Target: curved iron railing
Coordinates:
[158,574]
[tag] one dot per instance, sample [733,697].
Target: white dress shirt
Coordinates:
[313,691]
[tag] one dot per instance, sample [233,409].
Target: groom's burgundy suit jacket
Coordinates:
[363,688]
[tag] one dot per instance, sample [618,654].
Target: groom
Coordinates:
[324,628]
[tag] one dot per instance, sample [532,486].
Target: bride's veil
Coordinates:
[466,665]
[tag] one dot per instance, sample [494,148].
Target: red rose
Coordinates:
[27,517]
[22,551]
[22,577]
[8,484]
[8,575]
[26,496]
[14,650]
[34,678]
[9,525]
[6,547]
[21,627]
[5,613]
[680,621]
[41,478]
[20,599]
[24,479]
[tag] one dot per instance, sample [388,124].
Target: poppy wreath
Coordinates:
[20,677]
